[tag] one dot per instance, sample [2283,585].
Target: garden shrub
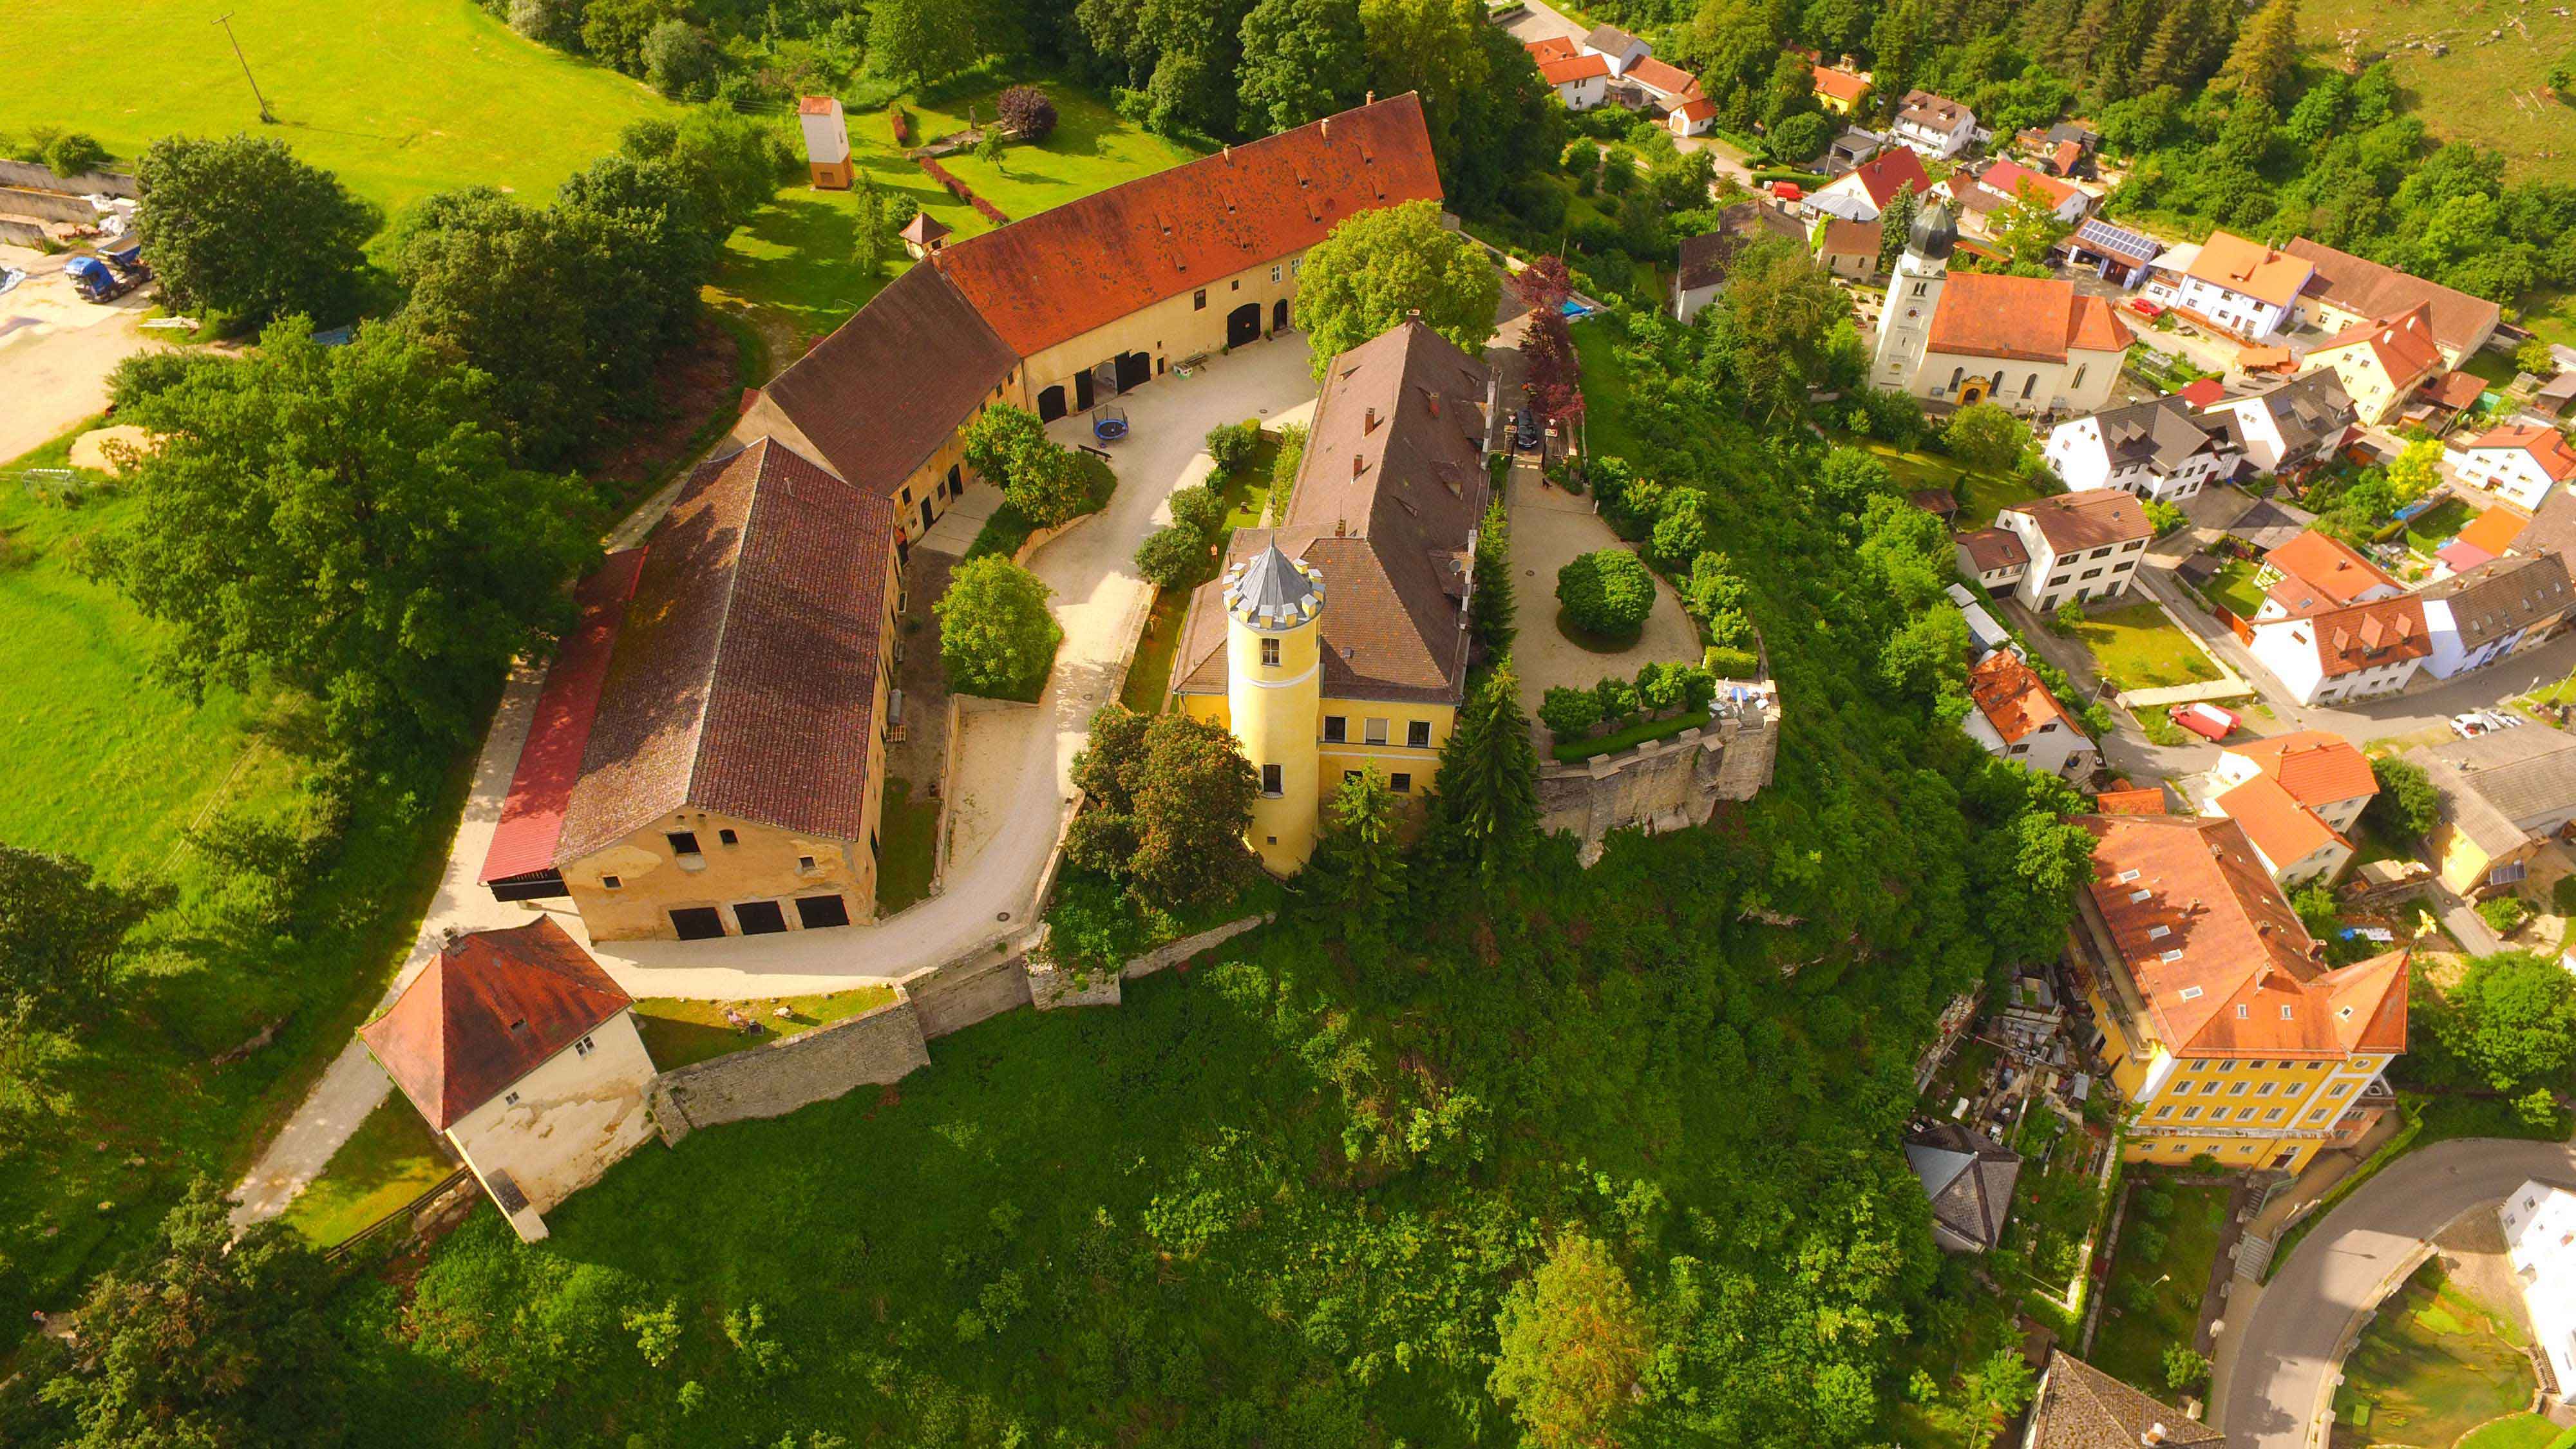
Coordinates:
[2504,915]
[1028,111]
[1232,445]
[1201,510]
[1171,556]
[1569,713]
[1607,592]
[1617,699]
[1728,663]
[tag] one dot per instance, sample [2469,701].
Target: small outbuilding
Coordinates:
[1970,1181]
[923,234]
[524,1056]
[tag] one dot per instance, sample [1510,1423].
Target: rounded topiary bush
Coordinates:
[1027,111]
[1607,593]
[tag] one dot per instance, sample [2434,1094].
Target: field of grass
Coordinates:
[678,1033]
[2485,91]
[1605,392]
[2519,1431]
[2155,1301]
[400,98]
[2137,647]
[789,271]
[910,856]
[1981,495]
[392,1158]
[2432,1365]
[2437,525]
[1149,678]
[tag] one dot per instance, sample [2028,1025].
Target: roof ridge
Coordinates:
[724,621]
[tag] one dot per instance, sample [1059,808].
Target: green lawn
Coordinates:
[2437,525]
[2153,1301]
[789,271]
[2483,91]
[677,1033]
[2432,1365]
[910,856]
[2521,1431]
[1981,495]
[2136,647]
[1149,678]
[2234,589]
[400,98]
[392,1158]
[1605,391]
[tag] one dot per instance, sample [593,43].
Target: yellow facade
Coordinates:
[628,891]
[1408,768]
[2463,864]
[1187,324]
[1274,679]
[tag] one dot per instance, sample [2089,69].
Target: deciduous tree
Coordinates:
[1986,437]
[1607,592]
[60,932]
[1379,266]
[1302,60]
[1574,1344]
[2407,806]
[241,227]
[996,637]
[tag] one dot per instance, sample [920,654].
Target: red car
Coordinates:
[2145,308]
[2206,720]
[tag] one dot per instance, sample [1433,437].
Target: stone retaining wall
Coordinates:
[954,997]
[1666,784]
[885,1045]
[89,183]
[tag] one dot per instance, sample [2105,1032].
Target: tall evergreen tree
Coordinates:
[1491,609]
[1894,222]
[1358,868]
[1487,808]
[2260,59]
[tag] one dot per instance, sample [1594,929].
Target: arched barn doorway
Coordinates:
[1243,325]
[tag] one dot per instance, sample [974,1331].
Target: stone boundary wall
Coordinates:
[1666,784]
[33,177]
[47,206]
[1164,958]
[884,1045]
[954,997]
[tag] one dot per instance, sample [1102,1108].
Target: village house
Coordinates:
[2158,449]
[2031,344]
[2082,546]
[1861,193]
[1581,79]
[1704,260]
[2518,462]
[2315,572]
[2240,287]
[2077,1406]
[1337,641]
[1849,249]
[1994,557]
[2004,182]
[2348,291]
[524,1058]
[2297,796]
[2493,609]
[1693,117]
[2344,653]
[2115,253]
[2381,364]
[2540,1241]
[1840,91]
[2504,794]
[1933,127]
[1970,1182]
[2016,718]
[1664,86]
[707,757]
[2226,1031]
[1615,46]
[2295,426]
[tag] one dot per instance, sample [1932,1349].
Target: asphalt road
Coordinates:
[2296,1339]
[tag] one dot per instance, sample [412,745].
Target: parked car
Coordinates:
[2208,721]
[1525,431]
[2145,308]
[2473,723]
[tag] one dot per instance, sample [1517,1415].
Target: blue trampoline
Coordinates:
[1108,424]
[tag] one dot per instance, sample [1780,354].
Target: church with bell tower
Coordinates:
[2031,344]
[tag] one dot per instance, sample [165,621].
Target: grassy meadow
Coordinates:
[2487,91]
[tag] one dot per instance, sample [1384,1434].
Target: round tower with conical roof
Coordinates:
[1274,610]
[1913,294]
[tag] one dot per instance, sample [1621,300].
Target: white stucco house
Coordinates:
[2315,572]
[2293,426]
[524,1056]
[2493,609]
[1864,191]
[2519,463]
[2031,344]
[1581,81]
[2355,651]
[2158,449]
[2015,717]
[1933,127]
[2239,286]
[1994,557]
[2540,1241]
[2082,546]
[1616,46]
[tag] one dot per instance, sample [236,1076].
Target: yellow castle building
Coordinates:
[1338,640]
[2226,1031]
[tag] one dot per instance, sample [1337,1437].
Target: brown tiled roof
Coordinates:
[2011,696]
[2367,289]
[2552,528]
[2251,268]
[1384,511]
[2547,447]
[2365,636]
[2320,572]
[2503,596]
[1554,47]
[2090,519]
[2081,1407]
[2028,319]
[875,399]
[1670,79]
[1993,548]
[2403,345]
[1937,113]
[744,679]
[1051,277]
[491,1009]
[2200,896]
[1851,239]
[2317,768]
[2455,390]
[1842,85]
[2148,801]
[925,228]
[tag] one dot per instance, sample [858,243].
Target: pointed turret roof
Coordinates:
[1274,591]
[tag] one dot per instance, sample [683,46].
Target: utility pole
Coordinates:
[226,21]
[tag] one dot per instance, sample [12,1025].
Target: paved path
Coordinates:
[57,350]
[2296,1336]
[1101,603]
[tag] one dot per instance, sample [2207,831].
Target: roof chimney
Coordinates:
[1324,128]
[2155,1435]
[1368,425]
[1341,526]
[1229,152]
[1359,465]
[1372,99]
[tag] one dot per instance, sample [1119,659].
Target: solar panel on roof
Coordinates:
[2115,238]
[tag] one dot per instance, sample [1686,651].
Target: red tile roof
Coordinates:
[2007,178]
[1842,85]
[816,105]
[2201,392]
[492,1008]
[744,680]
[2251,268]
[2317,768]
[1555,47]
[2494,531]
[2547,447]
[2026,319]
[2403,345]
[2149,801]
[2455,390]
[1572,68]
[2200,895]
[2320,573]
[2367,289]
[1698,108]
[1659,75]
[1054,276]
[2010,695]
[2364,636]
[2286,831]
[1888,172]
[559,728]
[2066,155]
